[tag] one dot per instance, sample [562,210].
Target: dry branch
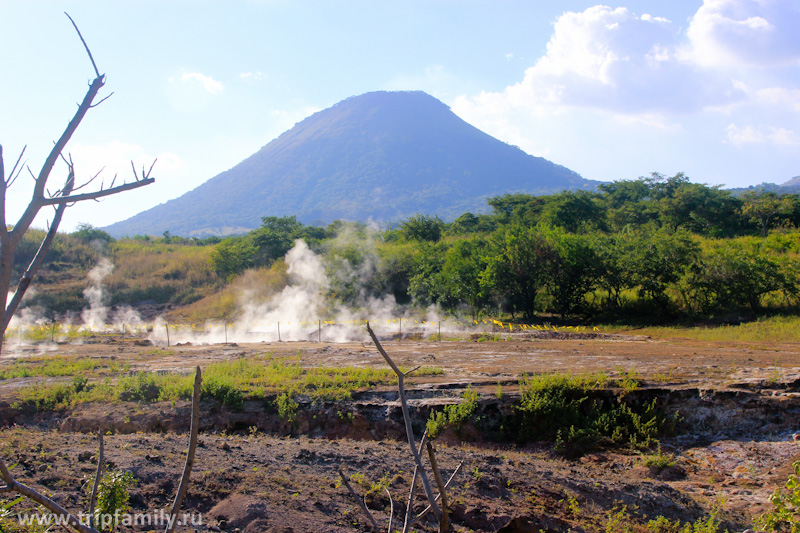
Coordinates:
[427,510]
[361,504]
[187,469]
[444,522]
[15,486]
[410,503]
[407,419]
[96,485]
[10,239]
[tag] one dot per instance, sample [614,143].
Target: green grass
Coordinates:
[770,329]
[58,366]
[229,382]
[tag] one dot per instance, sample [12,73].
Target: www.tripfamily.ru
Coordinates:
[105,521]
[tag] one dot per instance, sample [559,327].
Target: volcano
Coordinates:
[382,156]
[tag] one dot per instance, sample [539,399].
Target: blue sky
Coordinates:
[615,91]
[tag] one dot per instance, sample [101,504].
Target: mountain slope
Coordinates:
[381,155]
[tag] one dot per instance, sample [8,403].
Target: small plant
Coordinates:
[455,415]
[376,489]
[785,514]
[112,499]
[618,521]
[79,383]
[629,380]
[476,473]
[225,393]
[659,460]
[573,506]
[287,408]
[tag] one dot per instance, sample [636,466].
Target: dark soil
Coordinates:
[739,401]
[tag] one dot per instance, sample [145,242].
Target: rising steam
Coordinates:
[303,309]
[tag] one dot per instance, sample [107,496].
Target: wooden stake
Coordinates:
[187,469]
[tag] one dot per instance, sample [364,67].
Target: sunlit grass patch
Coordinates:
[53,366]
[770,329]
[229,382]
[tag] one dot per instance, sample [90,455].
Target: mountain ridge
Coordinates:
[381,156]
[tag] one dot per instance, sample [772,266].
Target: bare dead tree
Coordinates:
[10,237]
[441,513]
[12,485]
[407,419]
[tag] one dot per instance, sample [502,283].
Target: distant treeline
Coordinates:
[657,246]
[654,248]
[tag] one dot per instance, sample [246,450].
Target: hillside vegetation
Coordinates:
[651,250]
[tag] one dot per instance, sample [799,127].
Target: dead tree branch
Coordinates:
[361,504]
[407,419]
[97,72]
[427,510]
[391,510]
[187,469]
[414,477]
[15,486]
[10,239]
[444,522]
[96,485]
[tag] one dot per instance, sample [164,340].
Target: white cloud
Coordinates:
[745,33]
[252,76]
[610,76]
[208,83]
[780,96]
[761,135]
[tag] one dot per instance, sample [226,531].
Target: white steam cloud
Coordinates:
[303,310]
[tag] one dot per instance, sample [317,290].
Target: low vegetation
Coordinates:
[229,382]
[640,251]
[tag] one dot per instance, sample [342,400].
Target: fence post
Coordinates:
[319,330]
[166,326]
[279,332]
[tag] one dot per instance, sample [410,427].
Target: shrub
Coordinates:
[453,415]
[112,498]
[225,393]
[287,407]
[571,411]
[785,515]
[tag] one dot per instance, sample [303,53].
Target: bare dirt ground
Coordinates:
[742,407]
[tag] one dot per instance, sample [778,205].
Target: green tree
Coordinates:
[646,260]
[469,223]
[629,203]
[460,276]
[763,207]
[517,266]
[657,259]
[700,209]
[574,211]
[88,233]
[422,228]
[424,286]
[734,273]
[233,255]
[574,271]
